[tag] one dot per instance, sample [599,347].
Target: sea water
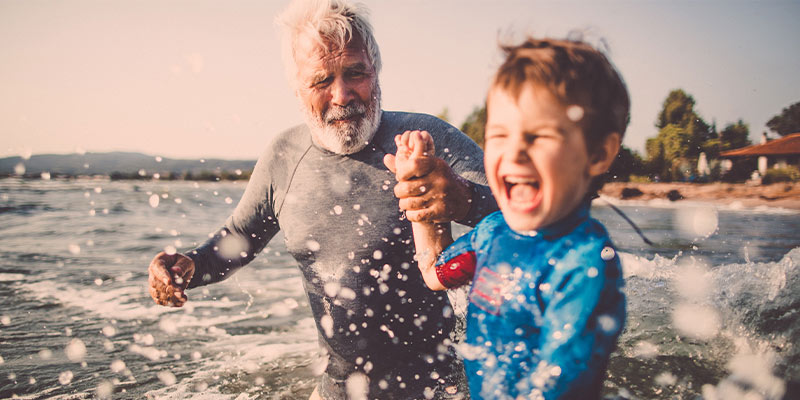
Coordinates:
[712,305]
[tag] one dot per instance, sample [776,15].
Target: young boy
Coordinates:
[545,307]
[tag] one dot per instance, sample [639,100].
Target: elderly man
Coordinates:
[328,184]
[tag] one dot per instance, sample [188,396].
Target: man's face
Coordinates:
[339,92]
[536,158]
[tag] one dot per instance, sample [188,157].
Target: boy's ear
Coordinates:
[601,158]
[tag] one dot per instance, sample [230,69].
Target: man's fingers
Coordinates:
[389,162]
[168,275]
[414,203]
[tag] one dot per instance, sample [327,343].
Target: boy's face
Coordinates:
[536,159]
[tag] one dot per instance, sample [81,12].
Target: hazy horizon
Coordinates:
[203,78]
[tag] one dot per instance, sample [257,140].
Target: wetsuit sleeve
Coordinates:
[580,327]
[246,232]
[456,265]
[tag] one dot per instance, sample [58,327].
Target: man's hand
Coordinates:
[428,189]
[169,276]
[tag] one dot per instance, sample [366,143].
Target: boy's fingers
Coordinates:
[418,167]
[418,145]
[427,140]
[411,204]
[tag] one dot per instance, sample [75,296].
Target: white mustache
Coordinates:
[347,112]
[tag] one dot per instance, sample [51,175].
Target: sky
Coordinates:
[204,78]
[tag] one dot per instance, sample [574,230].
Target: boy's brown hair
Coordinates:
[576,74]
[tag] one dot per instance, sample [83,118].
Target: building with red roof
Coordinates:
[777,153]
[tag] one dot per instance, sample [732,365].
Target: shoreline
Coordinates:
[781,195]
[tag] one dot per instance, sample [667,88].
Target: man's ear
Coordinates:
[603,156]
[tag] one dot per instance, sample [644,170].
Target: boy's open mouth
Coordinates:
[522,191]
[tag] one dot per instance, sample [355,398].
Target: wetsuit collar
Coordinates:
[564,225]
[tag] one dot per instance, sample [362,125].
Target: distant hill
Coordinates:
[116,162]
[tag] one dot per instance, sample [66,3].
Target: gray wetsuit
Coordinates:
[341,221]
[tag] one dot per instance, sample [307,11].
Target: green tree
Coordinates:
[788,121]
[677,109]
[626,163]
[682,136]
[475,125]
[444,115]
[734,136]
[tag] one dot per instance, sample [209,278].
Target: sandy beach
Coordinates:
[784,195]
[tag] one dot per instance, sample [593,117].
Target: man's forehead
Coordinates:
[314,49]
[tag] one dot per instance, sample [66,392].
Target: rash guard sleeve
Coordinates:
[248,230]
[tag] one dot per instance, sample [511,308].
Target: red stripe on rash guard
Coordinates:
[458,271]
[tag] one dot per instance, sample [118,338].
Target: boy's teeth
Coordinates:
[517,180]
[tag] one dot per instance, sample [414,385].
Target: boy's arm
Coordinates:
[430,240]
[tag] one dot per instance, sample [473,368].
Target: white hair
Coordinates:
[333,23]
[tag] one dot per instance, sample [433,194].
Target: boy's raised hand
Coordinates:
[428,189]
[415,150]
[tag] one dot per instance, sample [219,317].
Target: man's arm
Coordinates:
[244,235]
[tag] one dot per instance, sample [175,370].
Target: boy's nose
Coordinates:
[517,151]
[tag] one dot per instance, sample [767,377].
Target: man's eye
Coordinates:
[355,74]
[322,82]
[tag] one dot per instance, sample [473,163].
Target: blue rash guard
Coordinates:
[545,308]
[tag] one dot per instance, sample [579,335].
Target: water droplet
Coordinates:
[170,250]
[312,245]
[45,354]
[74,249]
[357,386]
[665,379]
[696,321]
[575,113]
[5,320]
[168,378]
[231,246]
[19,169]
[98,282]
[75,350]
[109,331]
[607,323]
[697,222]
[228,200]
[377,254]
[105,389]
[154,201]
[117,366]
[607,254]
[592,272]
[65,377]
[45,176]
[327,325]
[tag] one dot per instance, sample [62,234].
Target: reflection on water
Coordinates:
[712,306]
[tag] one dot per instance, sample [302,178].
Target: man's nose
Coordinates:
[341,92]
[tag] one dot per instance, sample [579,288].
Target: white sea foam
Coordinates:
[241,353]
[11,277]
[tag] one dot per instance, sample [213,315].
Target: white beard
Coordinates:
[346,138]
